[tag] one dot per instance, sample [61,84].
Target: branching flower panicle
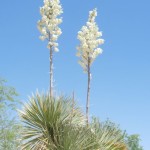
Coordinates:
[49,28]
[90,38]
[88,50]
[49,24]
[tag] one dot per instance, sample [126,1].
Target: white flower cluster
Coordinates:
[89,37]
[48,25]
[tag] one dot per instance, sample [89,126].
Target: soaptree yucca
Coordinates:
[46,118]
[55,124]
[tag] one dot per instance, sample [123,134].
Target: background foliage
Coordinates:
[9,125]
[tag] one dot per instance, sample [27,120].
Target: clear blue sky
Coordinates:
[121,75]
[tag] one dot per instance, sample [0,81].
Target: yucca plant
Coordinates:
[107,135]
[45,118]
[59,124]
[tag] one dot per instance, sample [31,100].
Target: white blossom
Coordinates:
[42,38]
[56,49]
[48,25]
[90,40]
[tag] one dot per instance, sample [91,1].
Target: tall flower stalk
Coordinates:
[88,50]
[50,31]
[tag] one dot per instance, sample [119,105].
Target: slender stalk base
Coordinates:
[51,71]
[88,93]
